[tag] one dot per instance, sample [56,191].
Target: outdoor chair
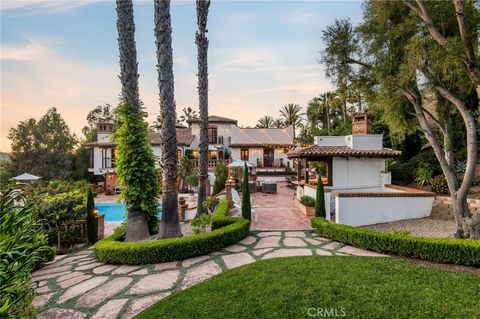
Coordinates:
[237,203]
[270,188]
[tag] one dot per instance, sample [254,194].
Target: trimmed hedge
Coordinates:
[227,231]
[441,250]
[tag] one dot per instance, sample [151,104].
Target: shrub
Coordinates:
[439,185]
[221,175]
[440,250]
[23,248]
[246,206]
[320,201]
[210,203]
[424,175]
[92,227]
[113,250]
[307,201]
[201,224]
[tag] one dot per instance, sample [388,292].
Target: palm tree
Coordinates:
[291,113]
[328,102]
[278,123]
[136,146]
[265,122]
[202,50]
[170,226]
[188,113]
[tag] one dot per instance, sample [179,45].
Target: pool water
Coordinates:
[116,212]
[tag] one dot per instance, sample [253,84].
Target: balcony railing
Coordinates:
[212,163]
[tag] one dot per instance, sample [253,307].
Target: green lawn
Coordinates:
[358,287]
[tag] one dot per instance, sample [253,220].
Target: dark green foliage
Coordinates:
[44,147]
[225,231]
[307,201]
[307,287]
[210,204]
[5,173]
[320,200]
[201,224]
[188,153]
[135,163]
[221,175]
[92,227]
[439,185]
[23,248]
[424,175]
[246,205]
[441,250]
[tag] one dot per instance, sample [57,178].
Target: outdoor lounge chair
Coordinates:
[237,202]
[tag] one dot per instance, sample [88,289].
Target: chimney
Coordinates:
[104,127]
[361,123]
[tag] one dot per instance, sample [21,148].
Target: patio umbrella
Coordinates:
[25,177]
[239,164]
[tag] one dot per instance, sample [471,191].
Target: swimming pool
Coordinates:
[116,212]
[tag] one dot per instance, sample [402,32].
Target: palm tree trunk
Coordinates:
[170,226]
[128,53]
[137,223]
[202,49]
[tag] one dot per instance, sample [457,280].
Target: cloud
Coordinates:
[37,7]
[33,49]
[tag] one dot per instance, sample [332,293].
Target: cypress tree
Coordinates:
[92,227]
[320,199]
[246,206]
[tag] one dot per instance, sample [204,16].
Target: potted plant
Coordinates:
[182,200]
[306,205]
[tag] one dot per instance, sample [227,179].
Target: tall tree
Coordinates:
[395,69]
[278,123]
[135,162]
[188,113]
[44,147]
[101,113]
[202,49]
[170,226]
[265,122]
[292,115]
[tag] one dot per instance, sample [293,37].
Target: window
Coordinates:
[212,135]
[244,154]
[108,158]
[220,139]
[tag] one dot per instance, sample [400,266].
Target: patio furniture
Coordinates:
[237,203]
[252,186]
[269,188]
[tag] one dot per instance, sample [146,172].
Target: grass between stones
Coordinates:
[305,287]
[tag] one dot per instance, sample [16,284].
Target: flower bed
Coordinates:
[441,250]
[225,231]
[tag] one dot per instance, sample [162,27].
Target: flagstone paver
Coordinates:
[294,242]
[190,261]
[103,292]
[59,313]
[164,266]
[110,309]
[265,242]
[73,281]
[138,305]
[200,273]
[235,248]
[162,281]
[81,287]
[237,260]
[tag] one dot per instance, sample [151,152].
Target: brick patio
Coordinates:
[277,211]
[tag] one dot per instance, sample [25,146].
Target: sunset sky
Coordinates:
[262,54]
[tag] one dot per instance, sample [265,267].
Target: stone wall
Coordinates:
[442,207]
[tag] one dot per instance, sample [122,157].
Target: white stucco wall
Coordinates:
[357,172]
[257,153]
[360,211]
[223,129]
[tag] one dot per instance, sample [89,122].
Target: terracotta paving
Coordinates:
[67,289]
[277,211]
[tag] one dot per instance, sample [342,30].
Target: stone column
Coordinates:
[229,185]
[181,211]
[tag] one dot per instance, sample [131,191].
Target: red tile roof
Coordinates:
[214,119]
[341,151]
[184,137]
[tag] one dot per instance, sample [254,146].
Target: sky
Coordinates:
[64,54]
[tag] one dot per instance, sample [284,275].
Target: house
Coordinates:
[263,147]
[219,135]
[358,189]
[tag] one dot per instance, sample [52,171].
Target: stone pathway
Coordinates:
[78,286]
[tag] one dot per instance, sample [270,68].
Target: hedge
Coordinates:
[113,250]
[441,250]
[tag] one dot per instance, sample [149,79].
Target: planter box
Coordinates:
[307,211]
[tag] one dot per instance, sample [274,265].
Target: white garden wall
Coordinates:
[357,172]
[360,211]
